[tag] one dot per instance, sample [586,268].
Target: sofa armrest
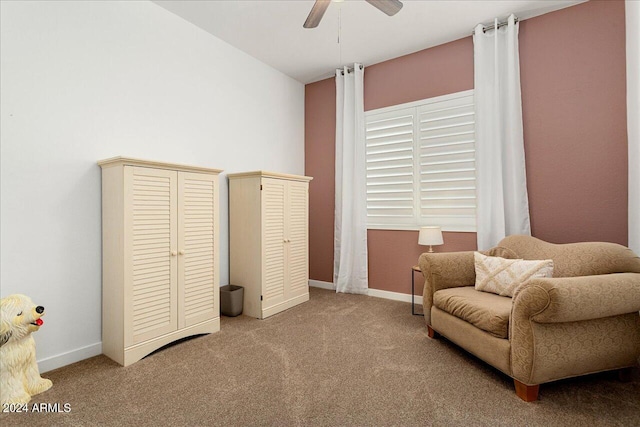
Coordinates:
[448,270]
[560,304]
[442,271]
[571,299]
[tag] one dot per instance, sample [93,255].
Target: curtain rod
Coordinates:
[493,26]
[350,69]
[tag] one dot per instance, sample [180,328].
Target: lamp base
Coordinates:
[430,249]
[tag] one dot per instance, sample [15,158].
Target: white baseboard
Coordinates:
[60,360]
[396,296]
[321,284]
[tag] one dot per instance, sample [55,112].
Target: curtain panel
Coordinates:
[350,272]
[501,186]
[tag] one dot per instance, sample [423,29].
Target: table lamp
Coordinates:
[431,235]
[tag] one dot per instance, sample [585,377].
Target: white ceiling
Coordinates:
[271,30]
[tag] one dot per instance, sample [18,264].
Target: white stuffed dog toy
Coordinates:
[19,376]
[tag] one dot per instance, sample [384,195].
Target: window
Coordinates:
[421,164]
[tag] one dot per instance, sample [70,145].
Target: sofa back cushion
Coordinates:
[574,259]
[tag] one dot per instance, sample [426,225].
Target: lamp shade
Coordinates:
[430,236]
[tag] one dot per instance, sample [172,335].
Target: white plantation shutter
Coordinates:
[447,163]
[421,164]
[390,167]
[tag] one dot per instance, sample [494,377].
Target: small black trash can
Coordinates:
[231,299]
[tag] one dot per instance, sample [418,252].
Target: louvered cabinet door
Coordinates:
[197,270]
[150,294]
[273,242]
[297,240]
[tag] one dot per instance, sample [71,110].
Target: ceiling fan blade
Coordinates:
[317,11]
[390,7]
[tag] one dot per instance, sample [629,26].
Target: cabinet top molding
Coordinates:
[266,174]
[129,161]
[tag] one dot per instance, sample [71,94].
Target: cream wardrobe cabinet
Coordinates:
[160,259]
[269,240]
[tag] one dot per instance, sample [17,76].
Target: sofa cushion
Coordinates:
[502,276]
[483,310]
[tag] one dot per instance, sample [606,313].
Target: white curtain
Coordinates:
[350,234]
[503,206]
[632,13]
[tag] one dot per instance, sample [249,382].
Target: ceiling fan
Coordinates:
[390,7]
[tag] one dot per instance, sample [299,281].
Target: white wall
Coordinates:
[632,13]
[84,81]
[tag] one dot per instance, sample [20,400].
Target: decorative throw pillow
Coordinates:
[502,276]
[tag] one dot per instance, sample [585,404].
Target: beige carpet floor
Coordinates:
[337,360]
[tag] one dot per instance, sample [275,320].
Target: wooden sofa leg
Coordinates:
[528,393]
[431,333]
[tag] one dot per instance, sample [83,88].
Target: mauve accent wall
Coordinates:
[573,78]
[320,151]
[574,112]
[441,70]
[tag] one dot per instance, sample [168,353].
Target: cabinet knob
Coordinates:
[181,252]
[174,253]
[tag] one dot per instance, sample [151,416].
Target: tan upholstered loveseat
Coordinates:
[582,320]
